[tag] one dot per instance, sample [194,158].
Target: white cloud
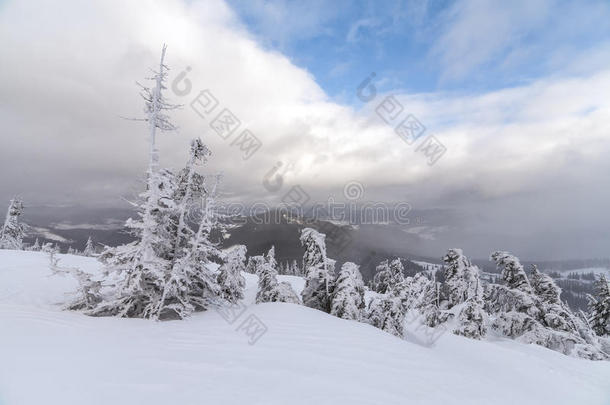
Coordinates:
[69,70]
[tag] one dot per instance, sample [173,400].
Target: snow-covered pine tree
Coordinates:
[191,284]
[294,269]
[544,286]
[388,273]
[36,246]
[255,263]
[284,293]
[230,279]
[89,248]
[13,232]
[513,274]
[461,278]
[269,289]
[267,278]
[599,307]
[386,312]
[318,276]
[166,271]
[348,296]
[532,313]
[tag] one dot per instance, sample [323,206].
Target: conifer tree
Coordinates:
[318,275]
[544,286]
[269,289]
[599,307]
[513,274]
[230,279]
[89,248]
[386,312]
[13,232]
[388,273]
[255,264]
[166,272]
[36,246]
[348,296]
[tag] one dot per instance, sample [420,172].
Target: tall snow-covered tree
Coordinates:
[13,232]
[513,274]
[348,296]
[166,272]
[230,279]
[89,248]
[318,275]
[387,274]
[599,307]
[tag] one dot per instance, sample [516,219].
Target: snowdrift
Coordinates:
[52,356]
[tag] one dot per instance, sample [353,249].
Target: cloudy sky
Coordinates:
[516,92]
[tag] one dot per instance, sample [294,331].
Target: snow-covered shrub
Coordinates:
[88,295]
[348,296]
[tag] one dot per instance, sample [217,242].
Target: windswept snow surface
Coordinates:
[50,356]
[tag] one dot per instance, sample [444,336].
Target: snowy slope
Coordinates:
[49,356]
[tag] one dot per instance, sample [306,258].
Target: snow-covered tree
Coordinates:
[294,269]
[230,279]
[385,311]
[284,293]
[471,319]
[13,232]
[319,276]
[267,278]
[599,307]
[544,286]
[89,248]
[36,246]
[348,296]
[255,264]
[533,313]
[461,278]
[168,271]
[387,273]
[269,289]
[513,274]
[191,284]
